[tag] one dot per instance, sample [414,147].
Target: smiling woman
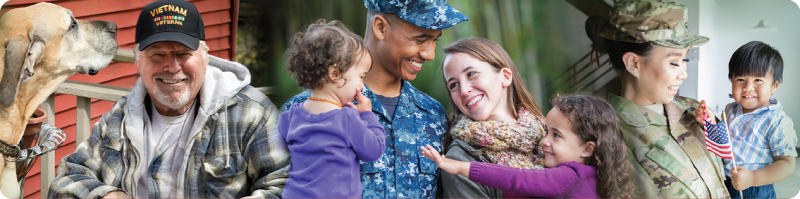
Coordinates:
[494,118]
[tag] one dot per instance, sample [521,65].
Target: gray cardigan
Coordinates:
[458,186]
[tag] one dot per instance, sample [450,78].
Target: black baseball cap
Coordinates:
[170,20]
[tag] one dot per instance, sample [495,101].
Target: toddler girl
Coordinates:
[584,155]
[326,140]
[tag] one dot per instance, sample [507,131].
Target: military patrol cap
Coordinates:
[430,14]
[663,22]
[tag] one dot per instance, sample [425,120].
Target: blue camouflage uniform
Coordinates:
[402,171]
[430,14]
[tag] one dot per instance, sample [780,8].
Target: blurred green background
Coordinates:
[543,37]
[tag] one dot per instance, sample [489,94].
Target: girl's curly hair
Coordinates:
[593,119]
[321,46]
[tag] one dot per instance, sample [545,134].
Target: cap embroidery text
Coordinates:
[170,8]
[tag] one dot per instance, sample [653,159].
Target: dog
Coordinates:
[40,47]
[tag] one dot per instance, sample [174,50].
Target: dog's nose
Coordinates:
[112,27]
[107,26]
[93,72]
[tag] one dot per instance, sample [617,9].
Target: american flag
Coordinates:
[717,139]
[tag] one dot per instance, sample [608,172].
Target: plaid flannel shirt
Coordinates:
[759,136]
[237,153]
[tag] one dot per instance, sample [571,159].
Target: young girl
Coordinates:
[325,140]
[584,156]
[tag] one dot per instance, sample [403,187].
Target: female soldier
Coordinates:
[647,42]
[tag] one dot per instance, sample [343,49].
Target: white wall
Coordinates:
[726,22]
[689,86]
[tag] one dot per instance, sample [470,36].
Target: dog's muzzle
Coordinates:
[107,26]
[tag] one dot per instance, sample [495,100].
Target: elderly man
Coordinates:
[186,130]
[401,35]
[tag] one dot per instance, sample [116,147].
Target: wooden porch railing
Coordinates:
[586,75]
[85,92]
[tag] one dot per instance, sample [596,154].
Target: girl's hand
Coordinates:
[703,112]
[446,164]
[741,178]
[364,104]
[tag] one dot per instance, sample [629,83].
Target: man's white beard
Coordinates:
[173,103]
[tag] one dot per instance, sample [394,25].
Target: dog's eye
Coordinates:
[74,24]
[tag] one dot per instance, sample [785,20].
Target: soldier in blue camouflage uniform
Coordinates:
[647,42]
[401,35]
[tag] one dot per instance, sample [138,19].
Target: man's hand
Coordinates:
[741,178]
[364,104]
[446,164]
[116,194]
[703,112]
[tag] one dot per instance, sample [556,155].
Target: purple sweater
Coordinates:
[325,149]
[568,180]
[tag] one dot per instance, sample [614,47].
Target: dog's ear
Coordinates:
[34,52]
[16,49]
[20,57]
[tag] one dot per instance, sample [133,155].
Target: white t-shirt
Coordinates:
[167,136]
[657,107]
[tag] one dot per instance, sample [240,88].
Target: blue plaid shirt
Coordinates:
[402,171]
[236,154]
[759,136]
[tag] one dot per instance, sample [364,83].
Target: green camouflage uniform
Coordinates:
[663,22]
[669,152]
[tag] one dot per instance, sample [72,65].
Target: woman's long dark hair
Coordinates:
[614,49]
[593,119]
[492,53]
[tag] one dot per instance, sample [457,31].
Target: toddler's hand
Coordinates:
[446,164]
[741,178]
[364,104]
[701,112]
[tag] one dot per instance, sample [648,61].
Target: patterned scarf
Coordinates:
[516,145]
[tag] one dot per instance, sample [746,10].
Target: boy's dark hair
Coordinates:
[593,119]
[756,59]
[323,45]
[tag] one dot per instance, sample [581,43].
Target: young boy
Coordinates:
[762,135]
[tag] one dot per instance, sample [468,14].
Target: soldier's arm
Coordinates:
[645,188]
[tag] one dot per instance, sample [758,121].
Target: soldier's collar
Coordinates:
[633,115]
[417,97]
[410,93]
[681,102]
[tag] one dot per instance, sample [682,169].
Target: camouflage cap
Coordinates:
[430,14]
[663,22]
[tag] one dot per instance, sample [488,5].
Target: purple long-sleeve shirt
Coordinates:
[325,149]
[568,180]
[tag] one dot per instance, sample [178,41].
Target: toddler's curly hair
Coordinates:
[323,45]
